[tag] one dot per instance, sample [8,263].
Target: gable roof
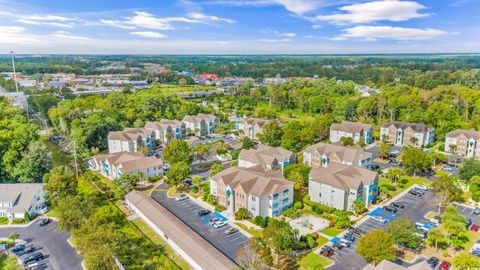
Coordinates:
[20,194]
[261,121]
[470,134]
[139,164]
[265,154]
[346,153]
[253,180]
[128,134]
[343,176]
[199,117]
[163,124]
[352,127]
[417,127]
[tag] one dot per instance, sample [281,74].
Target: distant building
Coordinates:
[122,163]
[407,134]
[262,193]
[253,126]
[27,83]
[463,142]
[322,155]
[130,140]
[275,80]
[340,185]
[57,84]
[201,124]
[167,130]
[269,158]
[359,132]
[16,199]
[212,77]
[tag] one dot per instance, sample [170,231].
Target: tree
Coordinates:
[35,163]
[197,180]
[216,168]
[342,219]
[201,151]
[271,133]
[298,174]
[414,159]
[346,141]
[60,183]
[10,263]
[177,173]
[242,213]
[465,260]
[359,207]
[376,246]
[13,236]
[413,140]
[394,174]
[437,158]
[384,150]
[247,143]
[469,169]
[446,190]
[279,237]
[436,236]
[177,151]
[454,227]
[403,231]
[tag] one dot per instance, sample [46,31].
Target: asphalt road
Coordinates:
[186,211]
[51,242]
[415,209]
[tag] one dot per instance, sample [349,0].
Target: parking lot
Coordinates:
[186,211]
[415,209]
[50,242]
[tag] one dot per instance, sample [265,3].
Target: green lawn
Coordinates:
[145,229]
[9,263]
[251,231]
[401,187]
[321,241]
[313,261]
[332,231]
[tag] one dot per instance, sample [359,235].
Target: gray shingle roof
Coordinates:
[342,176]
[21,194]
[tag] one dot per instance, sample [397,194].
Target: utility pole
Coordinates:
[75,158]
[14,72]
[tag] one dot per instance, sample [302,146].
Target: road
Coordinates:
[51,242]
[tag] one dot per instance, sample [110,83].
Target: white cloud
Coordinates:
[48,20]
[309,36]
[317,26]
[143,19]
[298,7]
[67,35]
[388,32]
[14,35]
[148,34]
[274,40]
[386,10]
[288,35]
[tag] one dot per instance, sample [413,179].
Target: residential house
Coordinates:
[167,130]
[122,163]
[407,134]
[253,126]
[130,140]
[463,142]
[269,158]
[322,155]
[340,185]
[262,193]
[388,265]
[359,132]
[201,124]
[17,199]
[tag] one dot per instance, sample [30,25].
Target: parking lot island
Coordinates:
[186,242]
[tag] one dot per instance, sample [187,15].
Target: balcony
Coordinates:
[275,204]
[274,196]
[372,197]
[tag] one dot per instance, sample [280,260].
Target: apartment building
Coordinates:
[407,134]
[17,199]
[322,155]
[262,192]
[122,163]
[359,132]
[463,142]
[167,130]
[201,124]
[269,158]
[340,185]
[251,127]
[130,140]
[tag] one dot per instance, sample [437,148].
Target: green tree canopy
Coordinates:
[403,231]
[414,159]
[376,246]
[177,151]
[271,133]
[178,172]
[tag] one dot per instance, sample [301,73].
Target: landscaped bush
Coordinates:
[298,205]
[235,154]
[476,196]
[17,221]
[241,214]
[261,221]
[310,241]
[220,208]
[194,189]
[290,212]
[3,220]
[316,207]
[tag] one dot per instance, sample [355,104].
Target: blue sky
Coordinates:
[239,26]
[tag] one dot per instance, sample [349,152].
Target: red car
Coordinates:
[444,266]
[474,227]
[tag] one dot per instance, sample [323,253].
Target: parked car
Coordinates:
[421,187]
[476,211]
[445,265]
[378,219]
[474,228]
[181,197]
[415,193]
[213,220]
[327,251]
[416,189]
[398,205]
[338,246]
[35,257]
[18,248]
[230,231]
[356,231]
[433,262]
[44,222]
[447,169]
[375,166]
[345,243]
[166,166]
[390,209]
[30,249]
[349,237]
[219,224]
[203,212]
[475,252]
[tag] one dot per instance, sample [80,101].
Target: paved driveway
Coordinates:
[51,242]
[186,211]
[415,209]
[467,211]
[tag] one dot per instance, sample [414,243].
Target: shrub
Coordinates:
[220,208]
[476,196]
[258,220]
[17,220]
[310,241]
[474,188]
[314,235]
[298,205]
[290,212]
[241,214]
[194,189]
[3,220]
[403,181]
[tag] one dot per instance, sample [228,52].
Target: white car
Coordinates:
[379,219]
[219,224]
[181,197]
[424,188]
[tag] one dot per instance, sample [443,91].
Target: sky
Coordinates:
[239,26]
